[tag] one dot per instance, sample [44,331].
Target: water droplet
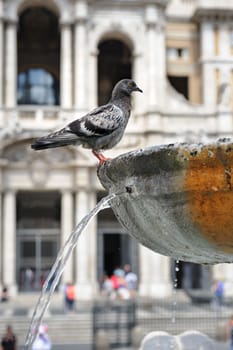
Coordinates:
[173,319]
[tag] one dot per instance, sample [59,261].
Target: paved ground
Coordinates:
[70,347]
[153,315]
[219,346]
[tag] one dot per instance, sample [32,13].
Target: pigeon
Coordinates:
[98,130]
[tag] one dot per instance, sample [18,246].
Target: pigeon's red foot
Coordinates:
[100,156]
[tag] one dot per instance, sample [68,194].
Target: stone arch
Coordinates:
[115,60]
[51,5]
[19,150]
[114,31]
[117,35]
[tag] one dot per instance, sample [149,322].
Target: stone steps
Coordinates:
[76,328]
[69,329]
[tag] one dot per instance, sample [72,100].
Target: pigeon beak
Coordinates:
[137,89]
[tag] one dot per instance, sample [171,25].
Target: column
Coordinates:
[152,51]
[138,76]
[1,235]
[11,63]
[225,69]
[207,40]
[224,86]
[208,73]
[224,40]
[224,272]
[154,274]
[93,77]
[92,232]
[161,60]
[80,56]
[224,52]
[208,84]
[156,55]
[85,259]
[66,65]
[67,225]
[9,241]
[1,52]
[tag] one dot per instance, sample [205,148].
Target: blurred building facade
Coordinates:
[59,59]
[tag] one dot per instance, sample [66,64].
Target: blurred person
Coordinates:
[114,280]
[218,293]
[122,291]
[70,296]
[106,286]
[28,279]
[117,282]
[131,280]
[119,272]
[9,340]
[230,331]
[4,294]
[42,341]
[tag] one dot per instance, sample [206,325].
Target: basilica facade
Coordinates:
[59,59]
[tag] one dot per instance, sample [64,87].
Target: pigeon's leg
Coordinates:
[100,156]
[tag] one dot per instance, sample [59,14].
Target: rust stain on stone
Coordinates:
[208,182]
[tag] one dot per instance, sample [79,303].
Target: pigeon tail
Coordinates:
[59,138]
[45,144]
[41,144]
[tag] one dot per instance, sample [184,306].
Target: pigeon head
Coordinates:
[124,88]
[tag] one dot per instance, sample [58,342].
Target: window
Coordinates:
[38,44]
[38,210]
[177,53]
[181,84]
[36,86]
[114,63]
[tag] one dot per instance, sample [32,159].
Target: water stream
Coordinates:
[58,268]
[174,294]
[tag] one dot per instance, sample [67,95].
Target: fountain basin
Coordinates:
[185,341]
[176,199]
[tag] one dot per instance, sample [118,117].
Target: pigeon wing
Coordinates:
[100,122]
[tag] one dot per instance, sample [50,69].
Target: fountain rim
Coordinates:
[157,159]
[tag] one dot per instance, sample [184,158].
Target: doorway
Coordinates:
[115,249]
[38,236]
[36,253]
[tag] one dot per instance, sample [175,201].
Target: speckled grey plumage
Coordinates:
[100,129]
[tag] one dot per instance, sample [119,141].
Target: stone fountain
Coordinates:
[176,199]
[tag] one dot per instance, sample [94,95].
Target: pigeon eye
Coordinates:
[130,84]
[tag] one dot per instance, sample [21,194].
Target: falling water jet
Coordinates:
[58,268]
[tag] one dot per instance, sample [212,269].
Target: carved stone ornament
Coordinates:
[39,172]
[16,152]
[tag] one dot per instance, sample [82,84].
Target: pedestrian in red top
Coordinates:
[70,295]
